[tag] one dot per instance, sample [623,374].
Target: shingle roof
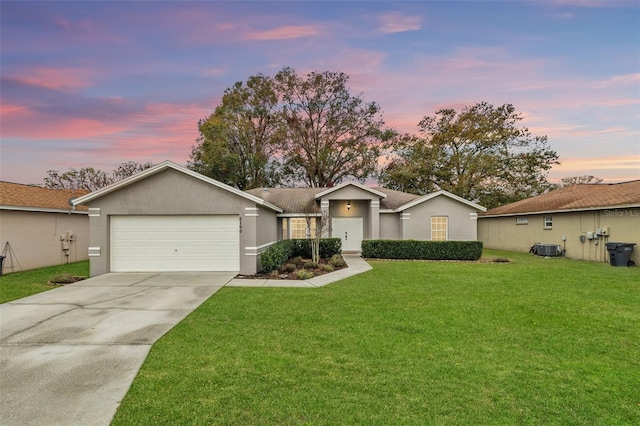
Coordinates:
[299,200]
[395,198]
[34,197]
[576,197]
[291,200]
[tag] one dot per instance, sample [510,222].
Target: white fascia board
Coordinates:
[171,165]
[356,184]
[436,194]
[43,210]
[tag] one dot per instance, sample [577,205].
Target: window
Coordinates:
[285,228]
[548,222]
[299,227]
[439,228]
[522,221]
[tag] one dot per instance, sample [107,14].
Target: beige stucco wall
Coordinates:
[171,192]
[624,226]
[417,225]
[34,238]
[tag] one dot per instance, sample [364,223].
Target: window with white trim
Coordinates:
[548,222]
[299,229]
[439,228]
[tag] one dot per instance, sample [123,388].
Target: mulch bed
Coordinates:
[65,279]
[290,275]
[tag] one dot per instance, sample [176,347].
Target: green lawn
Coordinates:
[534,341]
[22,284]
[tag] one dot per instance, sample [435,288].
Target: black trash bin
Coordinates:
[620,253]
[1,264]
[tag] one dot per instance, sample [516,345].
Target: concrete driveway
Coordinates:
[69,355]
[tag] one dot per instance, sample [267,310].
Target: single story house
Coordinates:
[39,227]
[581,219]
[170,218]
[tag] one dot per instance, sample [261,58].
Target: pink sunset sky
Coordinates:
[95,84]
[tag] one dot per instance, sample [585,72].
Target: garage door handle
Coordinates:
[345,236]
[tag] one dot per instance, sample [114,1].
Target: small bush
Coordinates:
[276,255]
[303,274]
[337,261]
[297,261]
[327,268]
[329,247]
[289,267]
[310,264]
[65,279]
[415,249]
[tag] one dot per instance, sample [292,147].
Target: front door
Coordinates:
[349,230]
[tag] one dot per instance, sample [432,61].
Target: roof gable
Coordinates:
[576,197]
[328,191]
[17,196]
[439,193]
[171,165]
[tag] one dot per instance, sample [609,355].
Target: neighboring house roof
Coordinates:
[171,165]
[301,200]
[17,196]
[575,198]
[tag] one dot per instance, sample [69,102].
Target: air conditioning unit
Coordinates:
[548,250]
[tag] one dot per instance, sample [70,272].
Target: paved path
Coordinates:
[69,355]
[356,265]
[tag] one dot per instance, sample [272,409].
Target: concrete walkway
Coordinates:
[356,265]
[69,355]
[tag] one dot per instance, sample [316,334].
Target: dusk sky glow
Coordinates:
[96,84]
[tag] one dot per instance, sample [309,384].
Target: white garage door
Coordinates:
[174,243]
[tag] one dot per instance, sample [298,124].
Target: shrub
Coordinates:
[65,279]
[289,267]
[415,249]
[328,247]
[337,261]
[327,268]
[310,264]
[276,255]
[303,274]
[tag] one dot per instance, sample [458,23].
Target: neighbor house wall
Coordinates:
[416,221]
[171,192]
[34,238]
[504,233]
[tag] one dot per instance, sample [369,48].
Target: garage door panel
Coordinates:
[174,243]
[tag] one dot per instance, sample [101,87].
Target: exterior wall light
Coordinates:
[348,205]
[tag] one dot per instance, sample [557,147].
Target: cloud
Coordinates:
[396,22]
[62,79]
[285,32]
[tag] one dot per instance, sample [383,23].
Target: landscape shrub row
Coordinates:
[274,257]
[426,250]
[328,247]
